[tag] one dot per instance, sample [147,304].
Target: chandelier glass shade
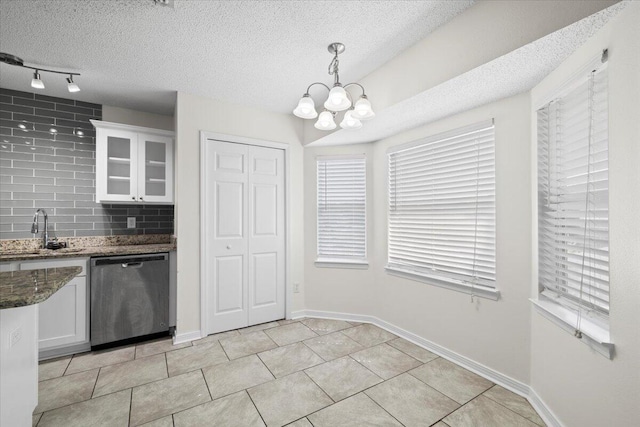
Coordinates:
[325,121]
[338,99]
[306,108]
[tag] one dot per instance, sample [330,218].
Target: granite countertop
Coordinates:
[22,255]
[28,287]
[83,247]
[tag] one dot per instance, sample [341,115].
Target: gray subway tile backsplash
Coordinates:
[56,172]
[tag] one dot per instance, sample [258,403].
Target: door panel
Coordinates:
[230,276]
[230,209]
[230,162]
[265,166]
[265,212]
[244,232]
[265,279]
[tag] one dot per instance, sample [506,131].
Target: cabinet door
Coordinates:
[63,319]
[63,316]
[116,166]
[155,168]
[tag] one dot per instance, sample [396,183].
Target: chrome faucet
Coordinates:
[45,232]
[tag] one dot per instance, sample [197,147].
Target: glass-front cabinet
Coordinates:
[133,164]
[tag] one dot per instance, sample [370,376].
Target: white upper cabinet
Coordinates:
[133,164]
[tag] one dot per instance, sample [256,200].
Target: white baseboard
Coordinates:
[186,337]
[543,410]
[492,375]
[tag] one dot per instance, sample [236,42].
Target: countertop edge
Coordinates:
[92,252]
[68,274]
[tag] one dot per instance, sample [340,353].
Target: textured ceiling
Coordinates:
[508,75]
[136,54]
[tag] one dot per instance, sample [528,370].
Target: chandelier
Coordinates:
[36,82]
[338,100]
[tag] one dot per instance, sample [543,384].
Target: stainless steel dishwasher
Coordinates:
[129,297]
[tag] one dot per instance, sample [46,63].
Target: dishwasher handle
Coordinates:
[132,264]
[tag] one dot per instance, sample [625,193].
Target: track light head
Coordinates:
[71,86]
[36,83]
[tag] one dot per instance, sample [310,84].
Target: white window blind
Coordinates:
[442,206]
[573,196]
[341,209]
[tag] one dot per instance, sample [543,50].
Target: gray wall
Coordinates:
[56,172]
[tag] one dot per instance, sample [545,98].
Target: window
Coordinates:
[573,200]
[442,210]
[342,211]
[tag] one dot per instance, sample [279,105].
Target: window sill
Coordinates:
[594,335]
[456,285]
[341,263]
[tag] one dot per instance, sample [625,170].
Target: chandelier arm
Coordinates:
[350,98]
[49,71]
[317,83]
[356,84]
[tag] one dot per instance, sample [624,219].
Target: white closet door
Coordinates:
[266,235]
[244,235]
[226,236]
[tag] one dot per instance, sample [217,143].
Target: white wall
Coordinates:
[341,290]
[193,114]
[493,333]
[580,386]
[137,118]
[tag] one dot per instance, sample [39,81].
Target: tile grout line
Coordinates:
[506,407]
[318,385]
[265,365]
[223,350]
[166,364]
[381,407]
[325,360]
[402,351]
[255,406]
[206,383]
[95,384]
[130,406]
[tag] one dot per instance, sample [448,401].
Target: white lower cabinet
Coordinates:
[64,316]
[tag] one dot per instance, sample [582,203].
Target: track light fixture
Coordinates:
[338,100]
[71,86]
[36,82]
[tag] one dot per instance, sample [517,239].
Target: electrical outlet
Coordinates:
[296,288]
[131,222]
[15,336]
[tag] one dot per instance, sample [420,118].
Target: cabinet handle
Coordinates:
[140,197]
[133,198]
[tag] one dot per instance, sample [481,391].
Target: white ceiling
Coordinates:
[508,75]
[136,54]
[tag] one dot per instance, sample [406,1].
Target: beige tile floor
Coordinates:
[309,372]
